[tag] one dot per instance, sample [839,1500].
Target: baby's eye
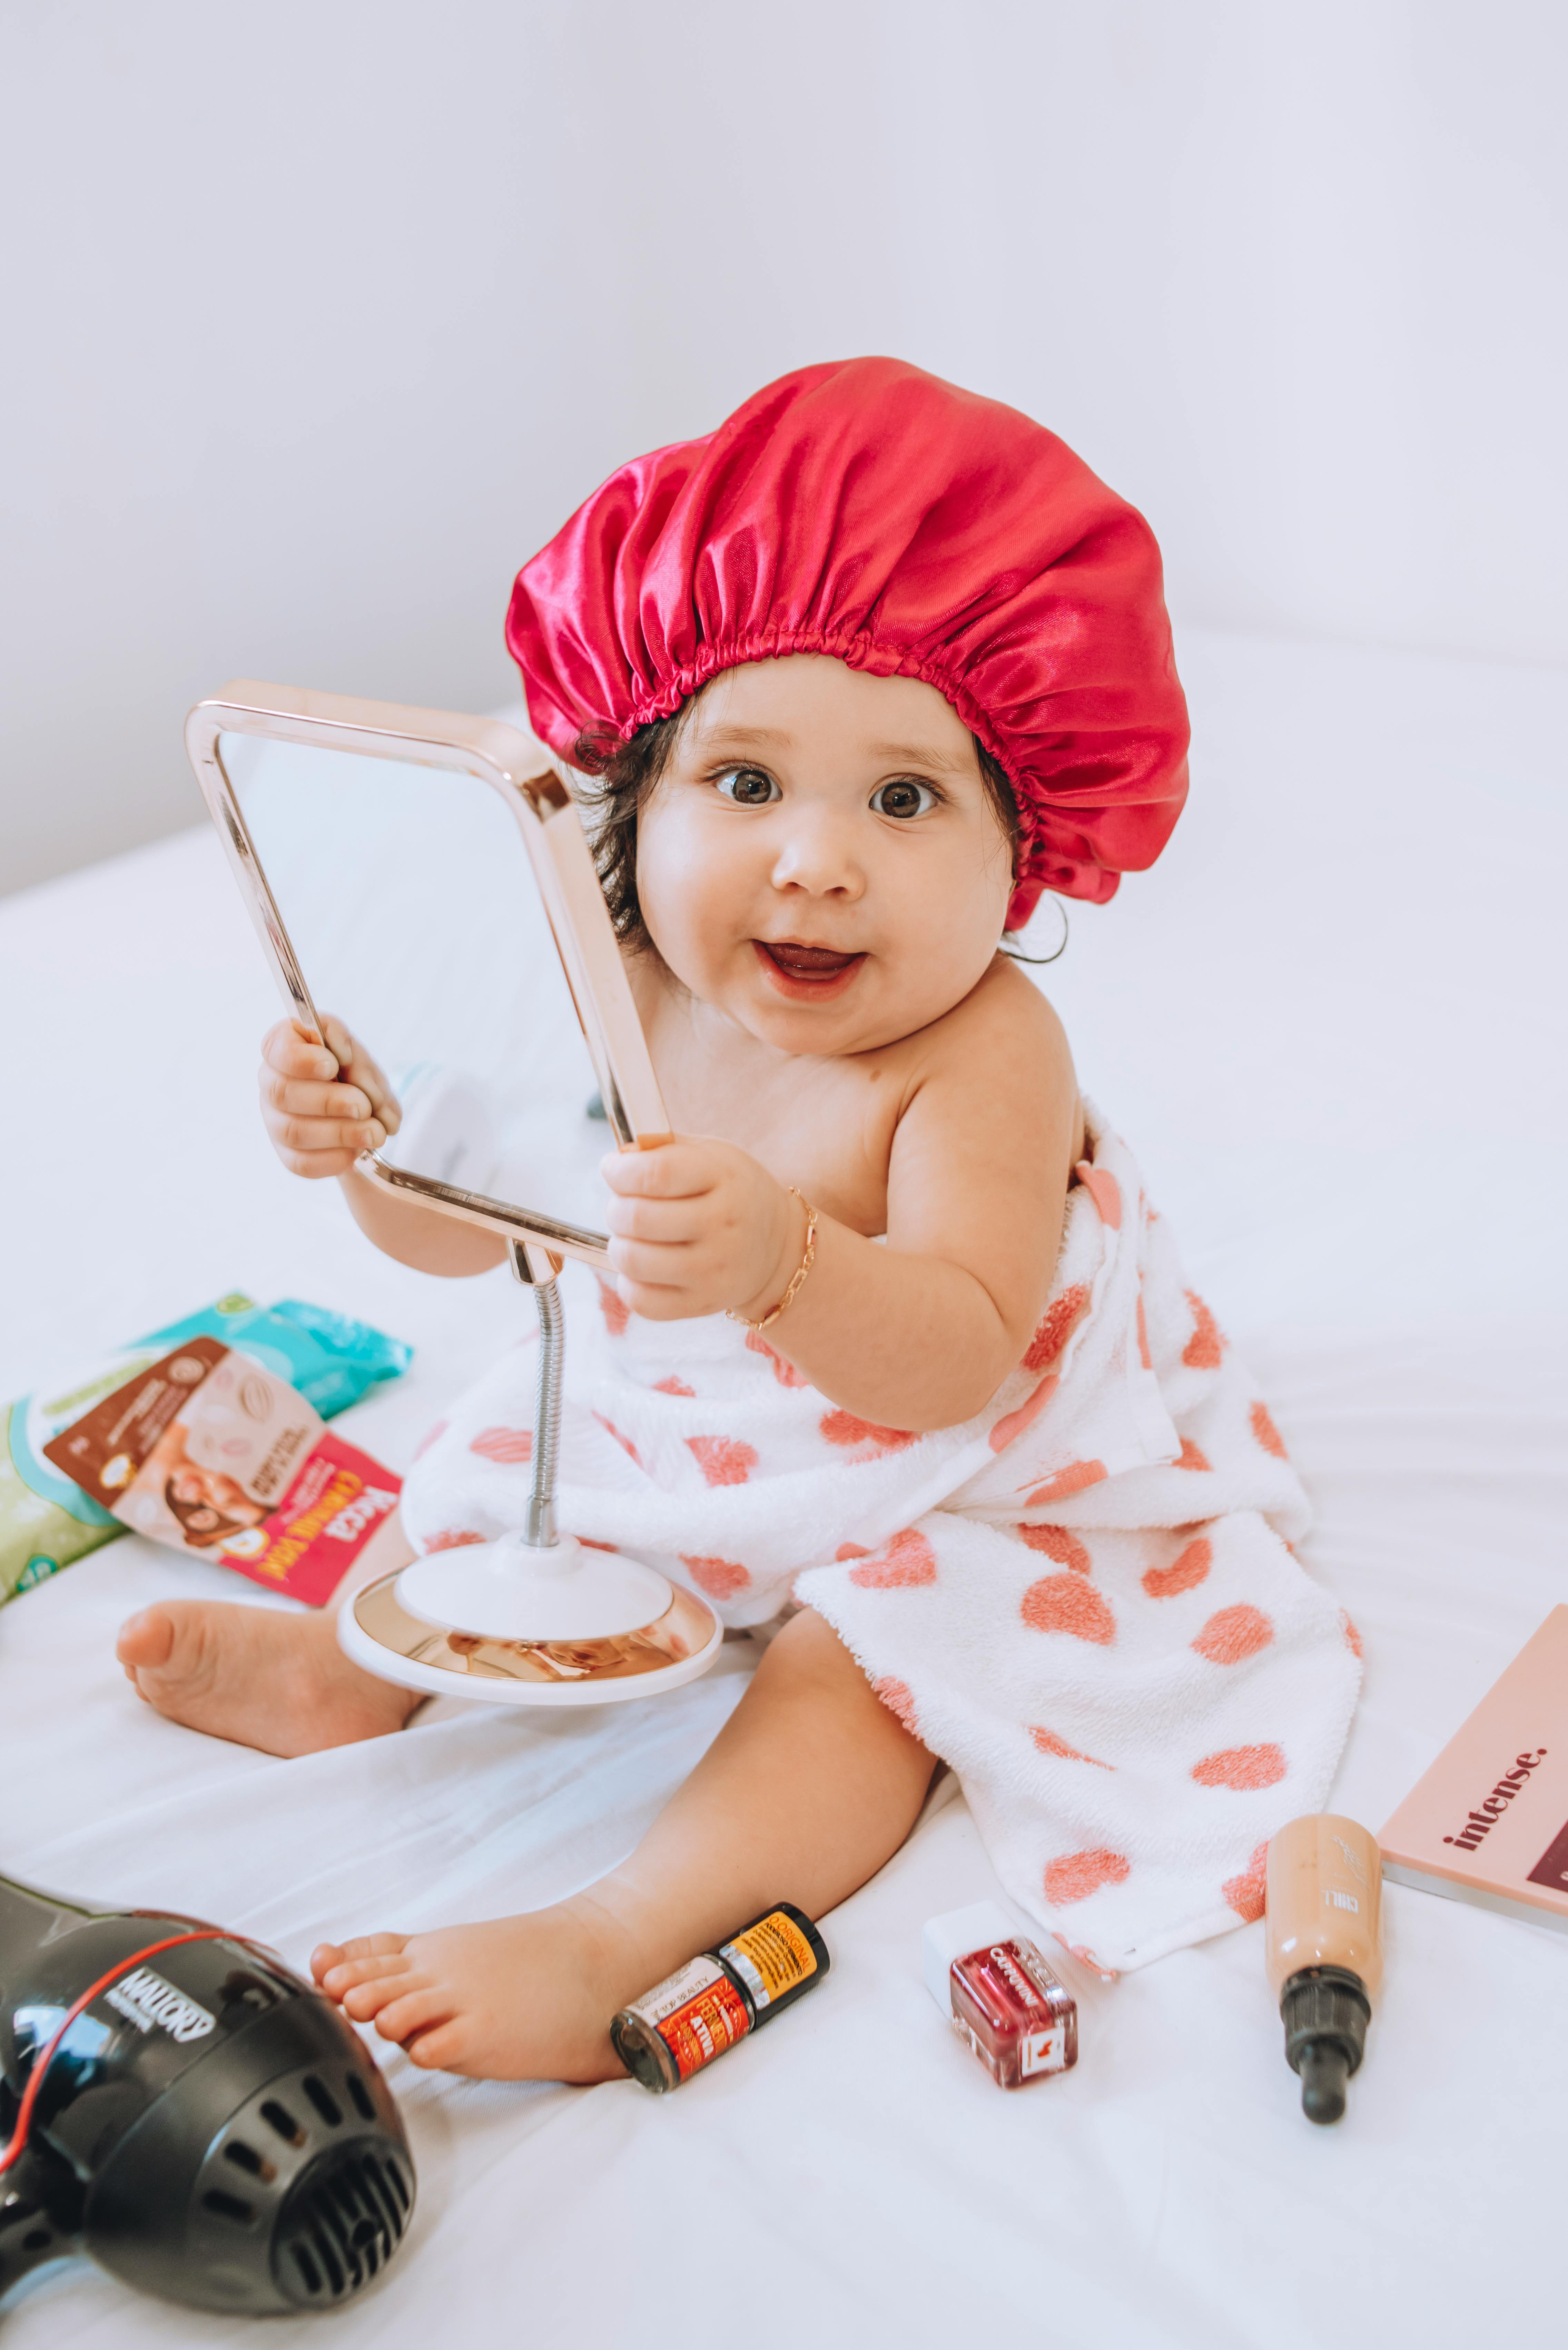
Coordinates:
[748,786]
[903,798]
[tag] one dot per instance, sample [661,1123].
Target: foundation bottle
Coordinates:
[1324,1950]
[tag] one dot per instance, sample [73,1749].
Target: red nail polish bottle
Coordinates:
[999,1995]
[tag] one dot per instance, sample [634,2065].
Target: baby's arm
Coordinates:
[321,1109]
[919,1334]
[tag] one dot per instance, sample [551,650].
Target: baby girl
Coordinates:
[861,674]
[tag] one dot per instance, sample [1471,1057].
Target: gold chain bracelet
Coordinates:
[796,1278]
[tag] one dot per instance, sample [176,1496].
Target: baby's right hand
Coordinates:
[321,1109]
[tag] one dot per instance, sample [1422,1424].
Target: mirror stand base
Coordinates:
[536,1617]
[381,1633]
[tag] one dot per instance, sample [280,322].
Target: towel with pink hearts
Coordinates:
[1086,1601]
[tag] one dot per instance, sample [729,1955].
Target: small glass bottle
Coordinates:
[999,1995]
[716,1997]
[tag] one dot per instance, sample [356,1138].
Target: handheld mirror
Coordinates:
[424,878]
[405,870]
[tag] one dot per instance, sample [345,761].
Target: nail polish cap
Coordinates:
[954,1935]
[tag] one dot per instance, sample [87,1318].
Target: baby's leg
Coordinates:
[260,1676]
[809,1787]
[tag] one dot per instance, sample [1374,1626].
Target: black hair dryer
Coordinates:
[177,2103]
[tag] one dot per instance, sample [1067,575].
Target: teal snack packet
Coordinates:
[47,1522]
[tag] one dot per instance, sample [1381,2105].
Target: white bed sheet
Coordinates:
[1328,1024]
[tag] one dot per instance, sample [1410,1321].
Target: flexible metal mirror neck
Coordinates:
[539,1529]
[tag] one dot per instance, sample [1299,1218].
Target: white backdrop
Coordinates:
[321,317]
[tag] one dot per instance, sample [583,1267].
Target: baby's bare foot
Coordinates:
[518,1999]
[256,1676]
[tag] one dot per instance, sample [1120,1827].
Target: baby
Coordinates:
[862,672]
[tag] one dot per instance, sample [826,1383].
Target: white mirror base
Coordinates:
[673,1645]
[507,1590]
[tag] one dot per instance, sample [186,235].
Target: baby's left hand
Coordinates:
[699,1227]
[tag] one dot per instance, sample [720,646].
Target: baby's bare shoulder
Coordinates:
[1006,1019]
[997,1065]
[991,1128]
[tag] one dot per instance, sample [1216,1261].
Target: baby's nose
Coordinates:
[820,855]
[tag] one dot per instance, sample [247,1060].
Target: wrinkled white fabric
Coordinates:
[1332,1186]
[1084,1599]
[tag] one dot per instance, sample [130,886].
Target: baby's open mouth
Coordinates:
[813,965]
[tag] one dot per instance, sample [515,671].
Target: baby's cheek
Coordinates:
[693,883]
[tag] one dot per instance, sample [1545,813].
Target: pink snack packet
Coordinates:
[206,1451]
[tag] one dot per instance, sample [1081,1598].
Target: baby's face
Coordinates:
[820,859]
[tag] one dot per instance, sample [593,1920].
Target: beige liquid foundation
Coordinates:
[1325,1950]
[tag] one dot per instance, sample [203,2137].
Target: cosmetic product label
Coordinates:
[210,1453]
[337,1504]
[1042,2051]
[1037,2053]
[1552,1868]
[104,1449]
[771,1957]
[1027,1956]
[697,1975]
[697,2013]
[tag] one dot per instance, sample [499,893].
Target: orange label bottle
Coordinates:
[716,1997]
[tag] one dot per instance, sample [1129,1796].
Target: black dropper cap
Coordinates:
[1325,2011]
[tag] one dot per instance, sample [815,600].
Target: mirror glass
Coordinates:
[412,909]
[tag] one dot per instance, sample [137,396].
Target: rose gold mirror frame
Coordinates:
[514,766]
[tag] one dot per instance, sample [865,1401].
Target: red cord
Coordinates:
[41,2064]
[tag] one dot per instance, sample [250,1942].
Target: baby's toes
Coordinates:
[147,1639]
[333,1958]
[445,2048]
[375,1946]
[408,2017]
[377,1982]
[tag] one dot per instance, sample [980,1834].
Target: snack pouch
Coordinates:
[205,1450]
[46,1521]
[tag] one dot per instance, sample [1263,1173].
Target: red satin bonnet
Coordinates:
[869,511]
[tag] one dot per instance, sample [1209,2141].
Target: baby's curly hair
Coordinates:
[626,774]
